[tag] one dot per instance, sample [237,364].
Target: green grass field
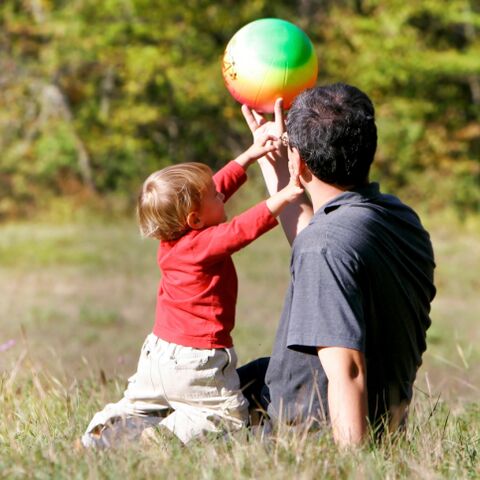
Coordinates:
[78,299]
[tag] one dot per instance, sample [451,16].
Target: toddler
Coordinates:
[186,379]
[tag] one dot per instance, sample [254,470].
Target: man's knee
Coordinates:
[252,384]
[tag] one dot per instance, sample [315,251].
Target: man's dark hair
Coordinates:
[333,128]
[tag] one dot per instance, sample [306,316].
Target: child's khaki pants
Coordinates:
[187,390]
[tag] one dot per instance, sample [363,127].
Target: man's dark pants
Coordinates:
[252,383]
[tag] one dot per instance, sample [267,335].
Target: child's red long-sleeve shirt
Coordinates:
[198,289]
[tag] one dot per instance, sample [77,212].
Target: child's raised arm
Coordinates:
[286,195]
[229,237]
[262,145]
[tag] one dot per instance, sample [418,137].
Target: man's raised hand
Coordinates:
[259,125]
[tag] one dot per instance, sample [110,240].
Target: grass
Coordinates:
[78,299]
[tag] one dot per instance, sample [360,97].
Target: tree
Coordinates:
[97,95]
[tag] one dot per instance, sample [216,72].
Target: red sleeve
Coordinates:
[229,179]
[227,238]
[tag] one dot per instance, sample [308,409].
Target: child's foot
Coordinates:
[117,432]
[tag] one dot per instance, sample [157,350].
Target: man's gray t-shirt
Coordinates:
[361,278]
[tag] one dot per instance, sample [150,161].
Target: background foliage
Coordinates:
[96,95]
[78,300]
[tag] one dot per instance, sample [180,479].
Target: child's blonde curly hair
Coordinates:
[168,196]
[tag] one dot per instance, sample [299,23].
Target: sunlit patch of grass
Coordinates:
[44,416]
[29,245]
[78,300]
[90,245]
[99,318]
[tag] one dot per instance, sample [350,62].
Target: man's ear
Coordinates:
[295,161]
[304,171]
[194,221]
[300,165]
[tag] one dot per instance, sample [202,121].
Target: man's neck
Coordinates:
[321,192]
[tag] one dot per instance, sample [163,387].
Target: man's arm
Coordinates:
[347,393]
[274,166]
[297,214]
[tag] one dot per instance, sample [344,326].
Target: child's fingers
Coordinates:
[271,147]
[294,191]
[299,190]
[292,169]
[294,174]
[267,138]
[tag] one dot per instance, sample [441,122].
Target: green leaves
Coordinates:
[140,87]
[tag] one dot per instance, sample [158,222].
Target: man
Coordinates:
[353,327]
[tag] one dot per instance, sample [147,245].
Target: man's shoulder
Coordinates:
[332,229]
[349,227]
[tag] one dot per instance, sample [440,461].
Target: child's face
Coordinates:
[212,209]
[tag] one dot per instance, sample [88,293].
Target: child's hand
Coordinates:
[294,188]
[262,144]
[286,195]
[260,125]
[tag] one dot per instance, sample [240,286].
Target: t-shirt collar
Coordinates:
[357,195]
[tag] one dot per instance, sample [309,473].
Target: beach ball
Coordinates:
[267,59]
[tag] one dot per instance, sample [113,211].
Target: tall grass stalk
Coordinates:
[77,301]
[43,417]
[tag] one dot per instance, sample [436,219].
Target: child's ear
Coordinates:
[194,221]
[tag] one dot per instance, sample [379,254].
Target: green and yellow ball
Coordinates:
[267,59]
